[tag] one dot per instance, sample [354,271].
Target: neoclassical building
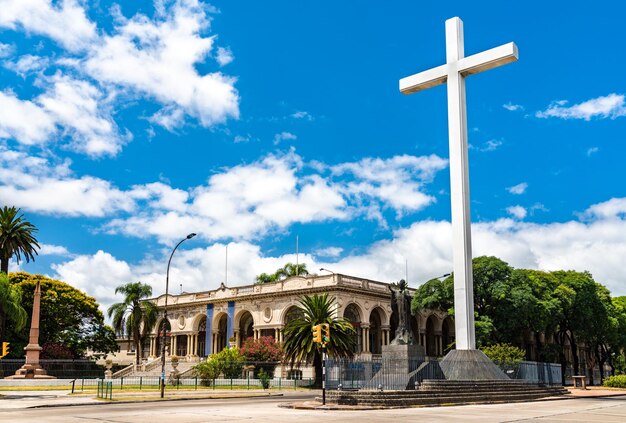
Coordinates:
[203,323]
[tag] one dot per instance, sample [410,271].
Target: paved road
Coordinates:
[261,410]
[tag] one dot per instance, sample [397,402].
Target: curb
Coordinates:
[337,407]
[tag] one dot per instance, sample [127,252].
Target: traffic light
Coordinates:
[325,333]
[5,349]
[317,333]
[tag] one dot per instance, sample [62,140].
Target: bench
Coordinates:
[580,380]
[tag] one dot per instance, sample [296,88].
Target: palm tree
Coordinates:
[288,270]
[291,269]
[299,346]
[134,317]
[11,309]
[16,238]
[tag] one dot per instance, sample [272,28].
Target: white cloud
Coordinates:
[302,115]
[487,146]
[396,182]
[73,108]
[597,246]
[592,150]
[518,189]
[52,250]
[615,208]
[284,136]
[65,22]
[44,186]
[6,50]
[513,107]
[24,120]
[80,109]
[331,252]
[610,106]
[517,211]
[158,58]
[97,275]
[27,64]
[224,56]
[139,58]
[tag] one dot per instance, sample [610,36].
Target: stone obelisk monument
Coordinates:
[465,362]
[32,368]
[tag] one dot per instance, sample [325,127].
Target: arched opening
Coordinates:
[201,349]
[168,343]
[246,327]
[431,342]
[292,313]
[352,314]
[375,338]
[220,337]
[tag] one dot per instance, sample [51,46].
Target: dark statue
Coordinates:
[401,308]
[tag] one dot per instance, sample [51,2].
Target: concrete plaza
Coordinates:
[266,409]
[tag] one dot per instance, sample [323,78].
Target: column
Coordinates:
[237,344]
[189,345]
[366,337]
[276,332]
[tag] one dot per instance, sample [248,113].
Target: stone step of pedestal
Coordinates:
[449,399]
[427,394]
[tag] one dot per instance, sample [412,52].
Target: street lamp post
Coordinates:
[167,284]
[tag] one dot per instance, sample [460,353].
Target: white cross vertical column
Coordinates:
[459,190]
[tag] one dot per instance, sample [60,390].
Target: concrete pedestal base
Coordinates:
[31,371]
[470,365]
[399,363]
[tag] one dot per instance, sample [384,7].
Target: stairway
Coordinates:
[153,369]
[449,392]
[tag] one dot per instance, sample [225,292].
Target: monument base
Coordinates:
[31,371]
[470,365]
[399,363]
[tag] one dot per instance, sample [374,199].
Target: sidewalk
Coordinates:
[11,400]
[60,398]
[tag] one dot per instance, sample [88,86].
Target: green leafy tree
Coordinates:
[299,346]
[16,238]
[504,354]
[134,317]
[67,316]
[11,309]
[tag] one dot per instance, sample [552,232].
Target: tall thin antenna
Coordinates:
[226,268]
[296,252]
[181,288]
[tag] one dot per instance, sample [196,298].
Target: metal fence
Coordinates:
[56,368]
[134,383]
[404,374]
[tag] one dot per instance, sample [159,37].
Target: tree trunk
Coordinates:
[4,265]
[575,359]
[601,358]
[317,365]
[560,337]
[538,347]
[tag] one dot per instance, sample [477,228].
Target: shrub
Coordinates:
[504,354]
[618,381]
[207,371]
[264,352]
[264,378]
[227,362]
[56,350]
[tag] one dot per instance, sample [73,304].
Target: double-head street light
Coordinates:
[167,284]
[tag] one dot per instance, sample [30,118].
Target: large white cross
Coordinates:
[455,70]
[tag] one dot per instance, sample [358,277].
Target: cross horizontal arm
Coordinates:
[424,80]
[489,59]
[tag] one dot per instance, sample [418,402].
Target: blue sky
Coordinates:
[126,125]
